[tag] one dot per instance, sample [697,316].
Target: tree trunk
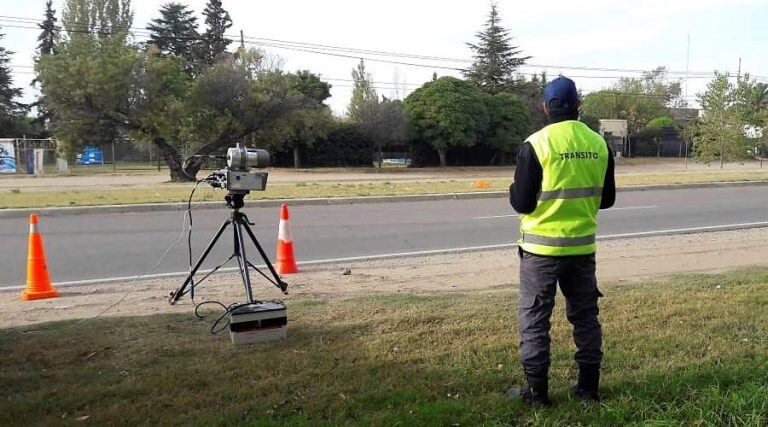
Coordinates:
[173,160]
[658,148]
[296,157]
[441,153]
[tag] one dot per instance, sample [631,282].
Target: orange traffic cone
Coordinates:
[286,261]
[38,281]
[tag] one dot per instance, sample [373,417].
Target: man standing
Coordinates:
[564,174]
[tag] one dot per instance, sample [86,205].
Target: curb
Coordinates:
[180,206]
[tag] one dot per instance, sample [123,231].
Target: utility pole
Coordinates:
[242,40]
[687,64]
[738,73]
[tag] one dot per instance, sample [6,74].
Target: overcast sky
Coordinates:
[597,34]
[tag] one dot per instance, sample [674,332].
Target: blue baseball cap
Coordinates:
[564,89]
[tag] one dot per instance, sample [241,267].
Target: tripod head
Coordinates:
[235,199]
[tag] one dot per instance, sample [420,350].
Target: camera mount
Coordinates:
[239,181]
[240,226]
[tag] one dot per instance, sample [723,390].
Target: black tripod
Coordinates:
[239,222]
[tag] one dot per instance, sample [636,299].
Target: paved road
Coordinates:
[101,246]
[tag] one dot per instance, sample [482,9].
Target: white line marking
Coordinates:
[626,208]
[724,227]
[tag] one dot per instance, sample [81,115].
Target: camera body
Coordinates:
[245,181]
[237,177]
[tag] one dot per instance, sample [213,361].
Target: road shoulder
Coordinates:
[619,261]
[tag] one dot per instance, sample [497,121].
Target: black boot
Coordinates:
[589,381]
[535,392]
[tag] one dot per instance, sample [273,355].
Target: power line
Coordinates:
[332,50]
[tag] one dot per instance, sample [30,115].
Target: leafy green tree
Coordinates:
[496,59]
[215,42]
[91,86]
[89,81]
[445,113]
[663,122]
[48,36]
[383,123]
[11,111]
[637,100]
[720,132]
[110,20]
[363,92]
[508,124]
[531,94]
[160,112]
[310,86]
[309,121]
[752,101]
[175,32]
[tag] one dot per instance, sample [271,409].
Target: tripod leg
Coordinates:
[283,286]
[180,291]
[242,260]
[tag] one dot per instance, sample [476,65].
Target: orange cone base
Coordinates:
[286,261]
[31,295]
[287,268]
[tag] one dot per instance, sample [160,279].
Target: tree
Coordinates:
[309,121]
[508,124]
[752,101]
[11,111]
[531,92]
[104,88]
[496,59]
[88,82]
[637,100]
[47,37]
[363,92]
[445,113]
[109,20]
[91,86]
[656,130]
[175,32]
[383,123]
[720,132]
[215,42]
[161,113]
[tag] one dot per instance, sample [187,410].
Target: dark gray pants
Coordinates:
[539,276]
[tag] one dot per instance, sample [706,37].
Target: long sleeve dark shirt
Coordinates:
[523,193]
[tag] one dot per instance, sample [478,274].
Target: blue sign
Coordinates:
[7,158]
[91,156]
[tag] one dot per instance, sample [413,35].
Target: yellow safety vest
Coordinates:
[573,161]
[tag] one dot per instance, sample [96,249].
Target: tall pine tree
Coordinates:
[175,32]
[496,59]
[47,37]
[47,46]
[10,109]
[218,22]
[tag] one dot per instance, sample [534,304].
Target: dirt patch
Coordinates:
[619,261]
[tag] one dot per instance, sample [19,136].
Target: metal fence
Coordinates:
[120,155]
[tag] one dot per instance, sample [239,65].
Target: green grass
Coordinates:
[687,351]
[20,198]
